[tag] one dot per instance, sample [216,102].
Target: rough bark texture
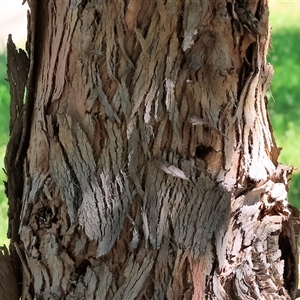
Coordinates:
[8,283]
[145,166]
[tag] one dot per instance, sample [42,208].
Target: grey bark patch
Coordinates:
[180,202]
[101,199]
[135,276]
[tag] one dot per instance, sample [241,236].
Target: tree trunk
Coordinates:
[143,165]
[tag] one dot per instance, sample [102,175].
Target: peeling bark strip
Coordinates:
[17,73]
[151,170]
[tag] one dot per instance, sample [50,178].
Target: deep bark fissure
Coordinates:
[77,191]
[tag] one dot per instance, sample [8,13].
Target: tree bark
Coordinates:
[143,165]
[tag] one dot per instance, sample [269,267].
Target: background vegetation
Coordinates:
[284,95]
[4,121]
[283,99]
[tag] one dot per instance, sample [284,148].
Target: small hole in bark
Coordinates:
[45,217]
[202,151]
[214,12]
[81,269]
[56,129]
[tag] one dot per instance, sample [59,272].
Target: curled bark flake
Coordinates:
[195,120]
[171,104]
[170,169]
[17,71]
[193,11]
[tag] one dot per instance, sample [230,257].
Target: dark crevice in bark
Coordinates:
[81,269]
[249,53]
[148,9]
[290,264]
[180,29]
[35,42]
[246,187]
[97,16]
[78,192]
[250,143]
[214,267]
[81,7]
[187,282]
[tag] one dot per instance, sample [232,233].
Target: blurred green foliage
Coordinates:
[284,95]
[283,99]
[4,121]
